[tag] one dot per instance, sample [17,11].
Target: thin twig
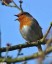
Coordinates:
[16,6]
[21,5]
[47,32]
[11,6]
[6,54]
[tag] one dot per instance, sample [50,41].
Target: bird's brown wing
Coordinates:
[36,28]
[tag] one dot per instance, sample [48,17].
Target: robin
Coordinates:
[29,27]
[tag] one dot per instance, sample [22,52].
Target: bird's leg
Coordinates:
[28,42]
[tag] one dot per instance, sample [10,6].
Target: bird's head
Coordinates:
[21,16]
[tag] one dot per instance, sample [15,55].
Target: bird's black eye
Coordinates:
[21,14]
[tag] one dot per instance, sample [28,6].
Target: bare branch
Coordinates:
[36,55]
[22,46]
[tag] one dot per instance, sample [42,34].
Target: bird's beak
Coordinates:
[17,16]
[16,19]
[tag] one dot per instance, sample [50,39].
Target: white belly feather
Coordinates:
[25,31]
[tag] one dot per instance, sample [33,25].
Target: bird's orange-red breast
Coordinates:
[29,27]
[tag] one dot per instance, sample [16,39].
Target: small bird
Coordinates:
[29,27]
